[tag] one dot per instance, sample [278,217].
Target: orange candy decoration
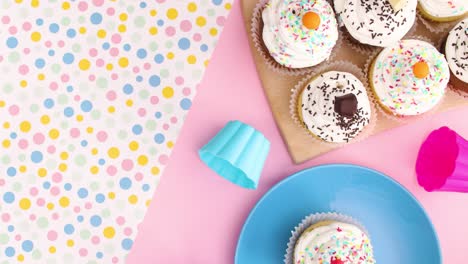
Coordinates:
[311,20]
[421,69]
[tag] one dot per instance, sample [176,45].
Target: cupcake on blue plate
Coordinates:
[329,238]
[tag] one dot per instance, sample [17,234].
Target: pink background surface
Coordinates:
[196,216]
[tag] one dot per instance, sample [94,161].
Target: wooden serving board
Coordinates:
[278,90]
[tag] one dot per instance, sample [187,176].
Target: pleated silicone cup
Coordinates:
[311,220]
[237,153]
[442,163]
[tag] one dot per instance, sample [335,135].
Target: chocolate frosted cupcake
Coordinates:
[374,22]
[299,34]
[456,52]
[443,10]
[334,107]
[409,78]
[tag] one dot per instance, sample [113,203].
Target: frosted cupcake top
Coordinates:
[335,106]
[444,8]
[299,33]
[374,22]
[335,243]
[410,77]
[456,50]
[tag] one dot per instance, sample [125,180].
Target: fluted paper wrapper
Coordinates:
[343,66]
[311,220]
[256,31]
[435,26]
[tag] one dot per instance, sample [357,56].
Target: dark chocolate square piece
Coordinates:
[346,105]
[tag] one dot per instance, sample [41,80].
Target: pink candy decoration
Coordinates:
[442,163]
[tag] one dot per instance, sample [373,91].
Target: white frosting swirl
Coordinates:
[444,8]
[334,241]
[375,22]
[456,50]
[318,107]
[397,87]
[289,42]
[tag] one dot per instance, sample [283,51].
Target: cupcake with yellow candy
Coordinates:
[293,35]
[409,78]
[443,10]
[329,238]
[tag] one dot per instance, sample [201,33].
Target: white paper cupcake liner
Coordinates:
[381,110]
[434,26]
[441,43]
[343,66]
[313,219]
[256,29]
[458,91]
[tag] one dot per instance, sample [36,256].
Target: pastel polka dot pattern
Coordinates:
[95,95]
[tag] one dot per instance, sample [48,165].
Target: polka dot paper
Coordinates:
[92,97]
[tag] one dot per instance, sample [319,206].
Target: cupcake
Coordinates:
[409,78]
[299,34]
[443,10]
[376,23]
[333,242]
[456,52]
[334,107]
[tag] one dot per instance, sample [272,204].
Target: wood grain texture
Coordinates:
[278,87]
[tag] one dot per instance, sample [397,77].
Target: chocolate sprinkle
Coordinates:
[377,19]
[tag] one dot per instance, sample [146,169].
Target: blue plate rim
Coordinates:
[298,173]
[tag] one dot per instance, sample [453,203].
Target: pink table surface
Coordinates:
[196,216]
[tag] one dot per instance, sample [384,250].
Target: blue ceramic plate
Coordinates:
[399,228]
